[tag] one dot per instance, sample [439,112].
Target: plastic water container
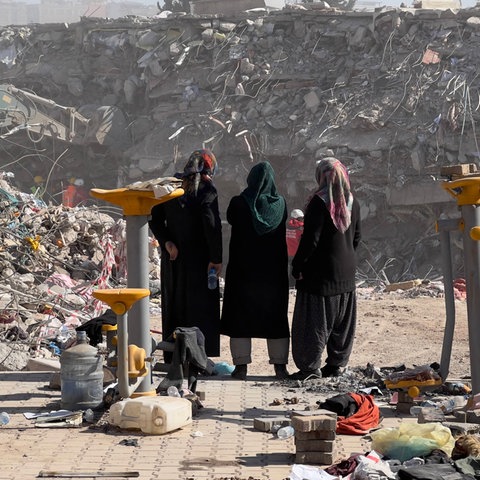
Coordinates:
[81,376]
[155,415]
[4,418]
[285,432]
[212,279]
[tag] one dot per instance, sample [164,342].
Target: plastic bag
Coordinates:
[223,368]
[412,440]
[372,467]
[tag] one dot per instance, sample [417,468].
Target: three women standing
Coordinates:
[255,301]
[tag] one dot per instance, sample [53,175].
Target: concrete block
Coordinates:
[458,428]
[265,424]
[313,422]
[314,445]
[468,416]
[43,365]
[458,170]
[428,414]
[316,435]
[311,100]
[311,413]
[318,458]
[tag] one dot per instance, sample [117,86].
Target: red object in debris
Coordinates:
[460,289]
[430,57]
[68,197]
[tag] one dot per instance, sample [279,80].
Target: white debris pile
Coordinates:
[51,259]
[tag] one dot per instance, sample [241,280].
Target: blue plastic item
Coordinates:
[223,368]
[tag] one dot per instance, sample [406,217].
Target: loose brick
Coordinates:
[314,445]
[265,424]
[311,413]
[427,415]
[318,458]
[316,435]
[313,422]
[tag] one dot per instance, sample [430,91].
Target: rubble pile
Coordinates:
[51,259]
[392,93]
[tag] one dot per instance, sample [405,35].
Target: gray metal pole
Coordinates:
[444,227]
[137,277]
[471,217]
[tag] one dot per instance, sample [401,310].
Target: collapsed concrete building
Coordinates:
[392,93]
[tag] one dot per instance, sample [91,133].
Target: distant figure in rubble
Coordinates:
[294,233]
[324,268]
[189,232]
[38,188]
[75,194]
[255,303]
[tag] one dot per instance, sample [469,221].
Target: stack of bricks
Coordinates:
[315,436]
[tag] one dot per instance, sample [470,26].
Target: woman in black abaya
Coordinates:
[255,303]
[189,232]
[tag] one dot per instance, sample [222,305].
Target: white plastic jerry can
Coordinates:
[154,415]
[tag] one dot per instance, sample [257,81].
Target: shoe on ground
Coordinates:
[306,375]
[281,372]
[240,372]
[331,371]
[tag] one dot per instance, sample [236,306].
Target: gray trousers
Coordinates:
[323,321]
[241,349]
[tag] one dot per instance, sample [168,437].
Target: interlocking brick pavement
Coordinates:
[220,442]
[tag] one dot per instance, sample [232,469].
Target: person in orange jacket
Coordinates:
[75,193]
[294,231]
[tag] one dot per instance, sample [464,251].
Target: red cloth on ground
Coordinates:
[365,418]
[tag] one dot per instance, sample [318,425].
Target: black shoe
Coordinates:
[240,372]
[305,375]
[331,371]
[281,372]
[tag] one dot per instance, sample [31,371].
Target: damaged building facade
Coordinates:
[392,93]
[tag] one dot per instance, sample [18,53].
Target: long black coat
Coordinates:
[193,225]
[325,257]
[255,303]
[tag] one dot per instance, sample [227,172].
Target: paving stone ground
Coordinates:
[220,443]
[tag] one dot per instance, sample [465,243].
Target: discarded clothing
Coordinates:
[188,359]
[469,465]
[94,326]
[363,420]
[343,405]
[432,472]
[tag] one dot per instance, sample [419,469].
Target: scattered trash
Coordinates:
[129,442]
[285,432]
[4,418]
[88,416]
[223,368]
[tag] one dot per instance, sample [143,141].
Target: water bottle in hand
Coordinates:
[4,418]
[212,279]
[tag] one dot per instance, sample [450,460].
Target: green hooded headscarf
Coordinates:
[266,205]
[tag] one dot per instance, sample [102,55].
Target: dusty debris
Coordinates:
[285,85]
[46,284]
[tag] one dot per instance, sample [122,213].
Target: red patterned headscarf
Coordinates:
[334,190]
[201,167]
